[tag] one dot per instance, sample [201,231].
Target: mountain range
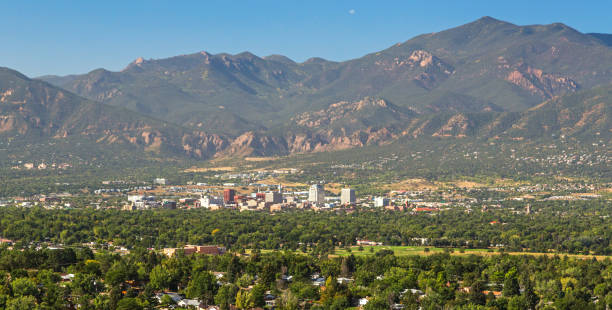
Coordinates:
[488,79]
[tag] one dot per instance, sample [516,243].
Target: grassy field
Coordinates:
[421,250]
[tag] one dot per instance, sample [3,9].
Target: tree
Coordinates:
[330,290]
[530,296]
[24,287]
[52,295]
[22,303]
[347,266]
[129,304]
[363,276]
[233,269]
[166,300]
[268,274]
[115,297]
[330,268]
[288,301]
[410,301]
[476,296]
[570,301]
[511,284]
[61,257]
[159,278]
[257,295]
[304,290]
[202,286]
[607,301]
[340,302]
[47,276]
[93,267]
[245,280]
[226,296]
[101,302]
[376,303]
[86,284]
[517,302]
[244,300]
[116,275]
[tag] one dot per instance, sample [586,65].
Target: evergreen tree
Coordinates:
[511,283]
[530,296]
[476,296]
[202,286]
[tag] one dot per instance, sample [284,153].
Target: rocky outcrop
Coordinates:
[421,66]
[456,126]
[329,140]
[255,144]
[538,82]
[348,112]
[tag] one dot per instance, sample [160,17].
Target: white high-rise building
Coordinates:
[347,196]
[381,202]
[208,202]
[316,195]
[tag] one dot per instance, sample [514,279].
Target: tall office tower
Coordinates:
[347,196]
[228,195]
[316,194]
[274,197]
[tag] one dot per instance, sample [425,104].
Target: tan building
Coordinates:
[274,197]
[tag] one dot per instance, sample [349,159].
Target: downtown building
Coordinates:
[316,195]
[347,196]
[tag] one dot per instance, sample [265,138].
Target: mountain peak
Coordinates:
[488,21]
[315,60]
[246,54]
[484,28]
[561,27]
[279,58]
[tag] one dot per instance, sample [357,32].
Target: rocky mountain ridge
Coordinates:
[487,64]
[488,80]
[36,111]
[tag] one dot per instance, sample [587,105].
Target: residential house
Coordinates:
[176,297]
[190,303]
[270,299]
[320,281]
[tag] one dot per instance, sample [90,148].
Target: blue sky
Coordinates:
[64,37]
